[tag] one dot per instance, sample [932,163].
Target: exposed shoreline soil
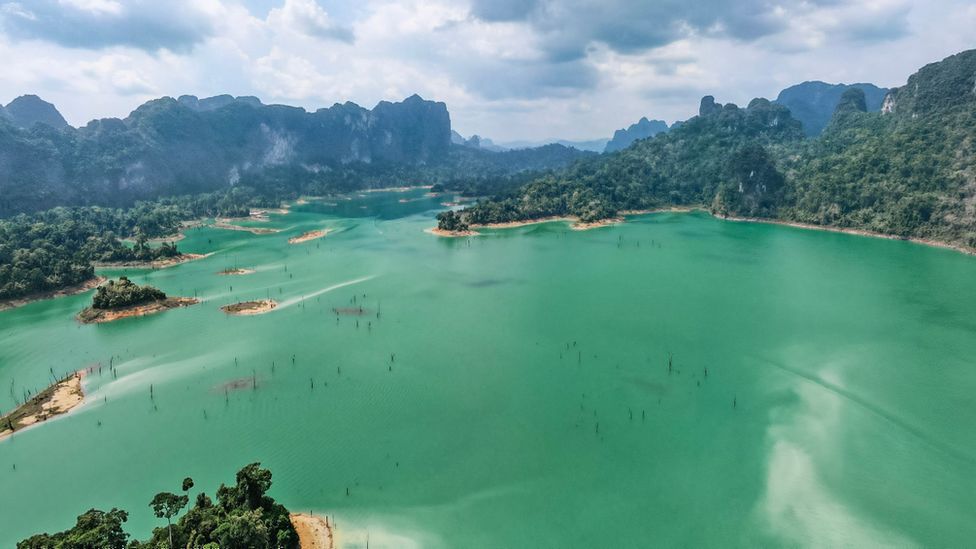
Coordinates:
[76,289]
[577,225]
[236,271]
[313,532]
[310,235]
[227,225]
[859,232]
[99,316]
[55,400]
[157,264]
[450,234]
[245,308]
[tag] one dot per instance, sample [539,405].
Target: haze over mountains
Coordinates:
[172,146]
[813,103]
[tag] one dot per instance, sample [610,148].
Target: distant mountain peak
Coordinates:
[643,129]
[813,102]
[27,110]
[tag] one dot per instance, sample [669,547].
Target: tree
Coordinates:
[167,505]
[94,530]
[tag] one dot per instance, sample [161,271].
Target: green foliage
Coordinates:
[94,530]
[910,172]
[123,293]
[245,517]
[451,221]
[688,165]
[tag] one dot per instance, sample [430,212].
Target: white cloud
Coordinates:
[512,73]
[307,17]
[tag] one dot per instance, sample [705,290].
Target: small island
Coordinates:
[124,298]
[55,400]
[231,271]
[452,224]
[257,307]
[311,235]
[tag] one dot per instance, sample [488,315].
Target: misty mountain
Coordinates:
[643,129]
[27,110]
[813,103]
[593,145]
[189,145]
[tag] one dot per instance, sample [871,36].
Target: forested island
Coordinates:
[243,516]
[124,298]
[907,171]
[50,250]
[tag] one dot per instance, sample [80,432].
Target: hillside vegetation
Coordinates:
[909,170]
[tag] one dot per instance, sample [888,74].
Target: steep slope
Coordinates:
[725,147]
[908,171]
[169,146]
[813,103]
[27,110]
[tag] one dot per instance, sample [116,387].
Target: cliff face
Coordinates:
[189,145]
[937,87]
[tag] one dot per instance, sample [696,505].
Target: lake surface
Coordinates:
[529,399]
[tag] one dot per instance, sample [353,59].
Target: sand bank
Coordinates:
[228,225]
[99,316]
[311,235]
[235,271]
[450,234]
[53,401]
[157,264]
[575,222]
[397,189]
[85,286]
[314,532]
[258,307]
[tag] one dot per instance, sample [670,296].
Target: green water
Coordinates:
[529,402]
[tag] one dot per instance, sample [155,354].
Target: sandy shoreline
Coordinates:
[227,225]
[158,264]
[450,234]
[622,214]
[858,232]
[234,272]
[310,235]
[314,532]
[53,401]
[246,308]
[397,189]
[99,316]
[76,289]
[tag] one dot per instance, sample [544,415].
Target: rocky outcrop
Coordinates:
[708,106]
[189,145]
[939,87]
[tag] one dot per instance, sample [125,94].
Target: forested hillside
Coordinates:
[909,170]
[170,147]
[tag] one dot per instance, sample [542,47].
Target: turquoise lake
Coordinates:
[513,389]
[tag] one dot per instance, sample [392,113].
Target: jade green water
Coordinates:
[529,402]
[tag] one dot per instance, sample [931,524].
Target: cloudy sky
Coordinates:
[508,69]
